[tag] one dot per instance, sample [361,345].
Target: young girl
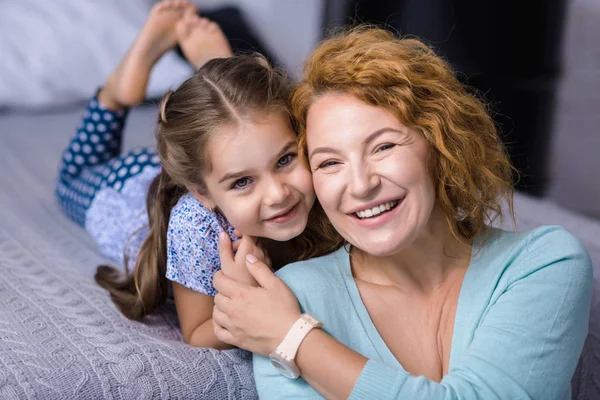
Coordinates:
[227,156]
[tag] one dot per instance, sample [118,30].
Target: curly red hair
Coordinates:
[469,165]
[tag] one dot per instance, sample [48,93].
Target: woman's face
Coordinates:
[256,179]
[370,173]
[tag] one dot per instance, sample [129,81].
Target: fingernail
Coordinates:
[221,235]
[251,259]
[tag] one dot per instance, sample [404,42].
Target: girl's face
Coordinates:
[370,174]
[256,179]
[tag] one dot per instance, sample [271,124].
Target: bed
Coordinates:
[60,335]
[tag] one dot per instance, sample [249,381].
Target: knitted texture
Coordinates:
[61,337]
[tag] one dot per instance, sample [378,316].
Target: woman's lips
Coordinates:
[377,220]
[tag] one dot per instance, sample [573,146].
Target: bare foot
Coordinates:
[201,39]
[126,86]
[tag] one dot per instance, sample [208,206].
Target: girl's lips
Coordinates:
[285,217]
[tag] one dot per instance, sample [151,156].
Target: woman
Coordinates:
[425,300]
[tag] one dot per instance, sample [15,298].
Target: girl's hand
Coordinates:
[260,252]
[235,266]
[253,318]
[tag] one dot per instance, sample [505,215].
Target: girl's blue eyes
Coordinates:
[241,183]
[284,161]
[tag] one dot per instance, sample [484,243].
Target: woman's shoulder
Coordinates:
[552,238]
[314,272]
[524,252]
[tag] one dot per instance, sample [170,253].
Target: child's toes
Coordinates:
[204,23]
[182,29]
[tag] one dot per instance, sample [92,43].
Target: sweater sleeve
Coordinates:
[528,344]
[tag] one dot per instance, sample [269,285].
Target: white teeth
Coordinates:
[371,212]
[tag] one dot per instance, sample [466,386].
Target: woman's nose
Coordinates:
[363,181]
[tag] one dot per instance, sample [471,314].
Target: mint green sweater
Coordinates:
[521,321]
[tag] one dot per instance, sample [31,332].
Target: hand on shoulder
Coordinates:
[233,257]
[254,318]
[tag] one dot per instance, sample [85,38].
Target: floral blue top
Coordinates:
[193,244]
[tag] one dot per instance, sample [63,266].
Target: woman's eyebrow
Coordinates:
[374,135]
[322,150]
[380,132]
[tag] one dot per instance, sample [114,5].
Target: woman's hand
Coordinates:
[234,266]
[253,318]
[257,249]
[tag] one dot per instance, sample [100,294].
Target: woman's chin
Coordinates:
[380,248]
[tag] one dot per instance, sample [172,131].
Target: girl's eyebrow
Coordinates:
[241,174]
[285,149]
[235,175]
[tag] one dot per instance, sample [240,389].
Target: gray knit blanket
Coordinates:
[61,337]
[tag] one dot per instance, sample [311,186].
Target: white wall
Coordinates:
[289,28]
[575,158]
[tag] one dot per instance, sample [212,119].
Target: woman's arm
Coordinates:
[335,378]
[326,364]
[527,345]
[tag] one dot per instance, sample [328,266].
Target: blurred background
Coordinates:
[537,65]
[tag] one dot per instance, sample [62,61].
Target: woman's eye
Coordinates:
[327,164]
[285,160]
[386,146]
[241,183]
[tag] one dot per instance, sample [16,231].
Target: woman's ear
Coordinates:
[203,197]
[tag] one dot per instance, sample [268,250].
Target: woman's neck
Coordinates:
[422,267]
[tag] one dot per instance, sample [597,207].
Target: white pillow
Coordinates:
[57,52]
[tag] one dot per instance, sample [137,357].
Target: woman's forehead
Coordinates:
[340,116]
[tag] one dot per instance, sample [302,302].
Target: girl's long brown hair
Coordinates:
[223,91]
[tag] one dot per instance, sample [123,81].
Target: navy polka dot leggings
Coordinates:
[93,160]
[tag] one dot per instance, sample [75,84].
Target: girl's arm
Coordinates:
[194,310]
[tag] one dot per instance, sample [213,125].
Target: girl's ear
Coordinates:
[203,197]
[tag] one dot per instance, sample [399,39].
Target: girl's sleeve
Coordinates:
[528,344]
[192,251]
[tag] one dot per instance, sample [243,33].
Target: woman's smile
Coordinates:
[375,216]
